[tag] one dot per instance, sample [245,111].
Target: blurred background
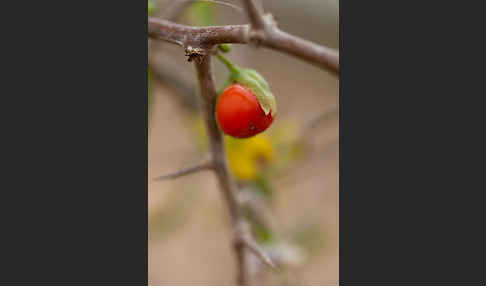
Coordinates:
[288,176]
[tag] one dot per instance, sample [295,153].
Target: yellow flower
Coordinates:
[247,157]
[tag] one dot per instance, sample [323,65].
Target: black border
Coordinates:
[403,153]
[75,186]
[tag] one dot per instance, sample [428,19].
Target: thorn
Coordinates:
[243,237]
[259,252]
[205,165]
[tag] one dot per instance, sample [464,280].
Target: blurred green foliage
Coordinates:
[151,8]
[202,14]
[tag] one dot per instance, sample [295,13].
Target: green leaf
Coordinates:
[259,86]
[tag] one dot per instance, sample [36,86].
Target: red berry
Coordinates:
[239,113]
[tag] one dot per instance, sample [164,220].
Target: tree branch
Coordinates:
[205,165]
[254,14]
[218,155]
[206,37]
[320,56]
[200,37]
[264,31]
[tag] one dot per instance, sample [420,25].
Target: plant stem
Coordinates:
[220,167]
[231,67]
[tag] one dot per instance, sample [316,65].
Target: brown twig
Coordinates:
[220,165]
[254,14]
[259,252]
[264,31]
[205,165]
[201,37]
[271,37]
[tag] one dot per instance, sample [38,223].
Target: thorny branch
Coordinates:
[201,37]
[264,31]
[198,43]
[254,14]
[205,165]
[252,245]
[271,37]
[220,165]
